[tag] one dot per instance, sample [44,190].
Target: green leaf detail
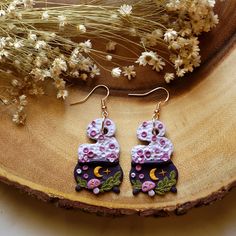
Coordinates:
[172,174]
[81,182]
[111,182]
[117,177]
[136,184]
[166,184]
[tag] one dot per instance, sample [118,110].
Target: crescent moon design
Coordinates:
[96,171]
[152,174]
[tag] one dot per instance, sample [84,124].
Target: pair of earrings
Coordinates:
[152,171]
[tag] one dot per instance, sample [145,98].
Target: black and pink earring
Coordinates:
[152,170]
[98,168]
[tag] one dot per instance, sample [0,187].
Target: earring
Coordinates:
[98,168]
[152,171]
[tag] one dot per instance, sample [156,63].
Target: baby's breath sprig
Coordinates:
[41,42]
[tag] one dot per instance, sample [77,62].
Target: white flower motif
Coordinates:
[125,10]
[170,34]
[159,64]
[116,72]
[40,44]
[129,72]
[81,28]
[59,65]
[45,15]
[211,3]
[169,76]
[178,62]
[23,101]
[111,46]
[11,7]
[19,118]
[109,57]
[94,71]
[181,72]
[62,94]
[40,74]
[59,83]
[85,46]
[62,20]
[32,37]
[174,45]
[147,58]
[18,44]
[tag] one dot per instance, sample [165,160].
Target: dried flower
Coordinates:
[159,64]
[62,20]
[84,76]
[94,71]
[111,46]
[116,72]
[62,94]
[19,118]
[37,51]
[147,58]
[59,83]
[81,29]
[129,72]
[32,37]
[169,76]
[86,46]
[40,45]
[125,10]
[109,57]
[170,34]
[45,15]
[18,44]
[59,65]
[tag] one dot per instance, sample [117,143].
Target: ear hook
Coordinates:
[158,107]
[91,92]
[103,100]
[152,91]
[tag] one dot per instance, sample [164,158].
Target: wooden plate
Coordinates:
[200,118]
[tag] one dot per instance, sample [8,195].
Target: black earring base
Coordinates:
[154,178]
[98,177]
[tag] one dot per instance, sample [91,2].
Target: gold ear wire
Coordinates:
[152,91]
[158,107]
[103,101]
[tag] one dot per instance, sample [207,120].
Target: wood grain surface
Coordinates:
[200,119]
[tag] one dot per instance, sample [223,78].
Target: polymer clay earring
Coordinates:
[98,168]
[152,170]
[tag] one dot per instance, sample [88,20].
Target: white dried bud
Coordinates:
[116,72]
[81,28]
[109,57]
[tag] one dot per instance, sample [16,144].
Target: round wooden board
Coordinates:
[200,119]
